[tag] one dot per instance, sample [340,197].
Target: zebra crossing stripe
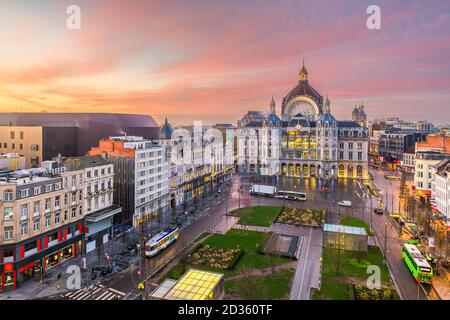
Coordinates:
[120,293]
[102,295]
[109,296]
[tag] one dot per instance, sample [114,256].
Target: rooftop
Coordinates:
[193,285]
[344,229]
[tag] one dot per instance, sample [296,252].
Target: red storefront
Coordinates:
[37,256]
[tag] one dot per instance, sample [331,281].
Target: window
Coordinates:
[36,190]
[74,212]
[57,218]
[8,231]
[8,195]
[48,188]
[21,146]
[8,214]
[23,212]
[103,171]
[24,193]
[36,225]
[341,155]
[74,197]
[57,201]
[48,203]
[12,135]
[24,229]
[74,181]
[360,156]
[34,147]
[350,156]
[89,188]
[47,221]
[350,145]
[58,186]
[95,173]
[66,215]
[36,207]
[21,135]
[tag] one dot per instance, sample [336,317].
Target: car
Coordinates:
[345,203]
[378,210]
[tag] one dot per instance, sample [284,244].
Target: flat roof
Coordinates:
[164,288]
[194,285]
[344,229]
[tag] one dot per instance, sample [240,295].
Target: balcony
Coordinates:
[36,214]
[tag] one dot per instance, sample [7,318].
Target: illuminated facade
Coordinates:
[306,142]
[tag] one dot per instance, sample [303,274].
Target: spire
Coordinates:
[303,74]
[327,105]
[272,106]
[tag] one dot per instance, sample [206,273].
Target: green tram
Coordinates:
[416,263]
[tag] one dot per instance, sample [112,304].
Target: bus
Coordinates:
[416,263]
[161,241]
[291,195]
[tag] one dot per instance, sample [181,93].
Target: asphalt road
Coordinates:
[406,284]
[127,280]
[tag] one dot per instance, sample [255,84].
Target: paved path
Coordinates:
[307,273]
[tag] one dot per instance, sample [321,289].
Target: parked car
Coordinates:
[378,210]
[345,203]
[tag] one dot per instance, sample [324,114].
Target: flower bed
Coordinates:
[301,216]
[221,259]
[364,293]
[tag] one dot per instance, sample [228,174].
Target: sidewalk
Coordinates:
[116,249]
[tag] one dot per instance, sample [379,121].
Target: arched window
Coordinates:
[341,172]
[359,171]
[8,195]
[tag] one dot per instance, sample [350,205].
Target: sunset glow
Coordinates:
[214,60]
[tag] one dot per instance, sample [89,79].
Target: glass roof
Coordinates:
[195,285]
[344,229]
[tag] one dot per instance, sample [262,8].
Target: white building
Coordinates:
[306,142]
[141,176]
[440,194]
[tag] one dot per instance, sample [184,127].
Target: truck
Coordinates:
[263,190]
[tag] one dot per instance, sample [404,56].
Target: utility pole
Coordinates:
[239,197]
[364,207]
[371,214]
[385,241]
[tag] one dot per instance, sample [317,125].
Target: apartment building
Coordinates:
[197,167]
[98,198]
[428,154]
[440,193]
[141,180]
[42,223]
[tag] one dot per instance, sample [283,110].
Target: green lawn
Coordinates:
[248,241]
[257,216]
[351,264]
[270,287]
[355,222]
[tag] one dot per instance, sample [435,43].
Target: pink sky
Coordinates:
[214,60]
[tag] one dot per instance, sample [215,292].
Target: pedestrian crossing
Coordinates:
[95,292]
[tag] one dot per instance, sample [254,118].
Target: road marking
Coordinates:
[304,266]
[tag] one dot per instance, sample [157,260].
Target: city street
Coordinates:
[405,283]
[308,267]
[127,280]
